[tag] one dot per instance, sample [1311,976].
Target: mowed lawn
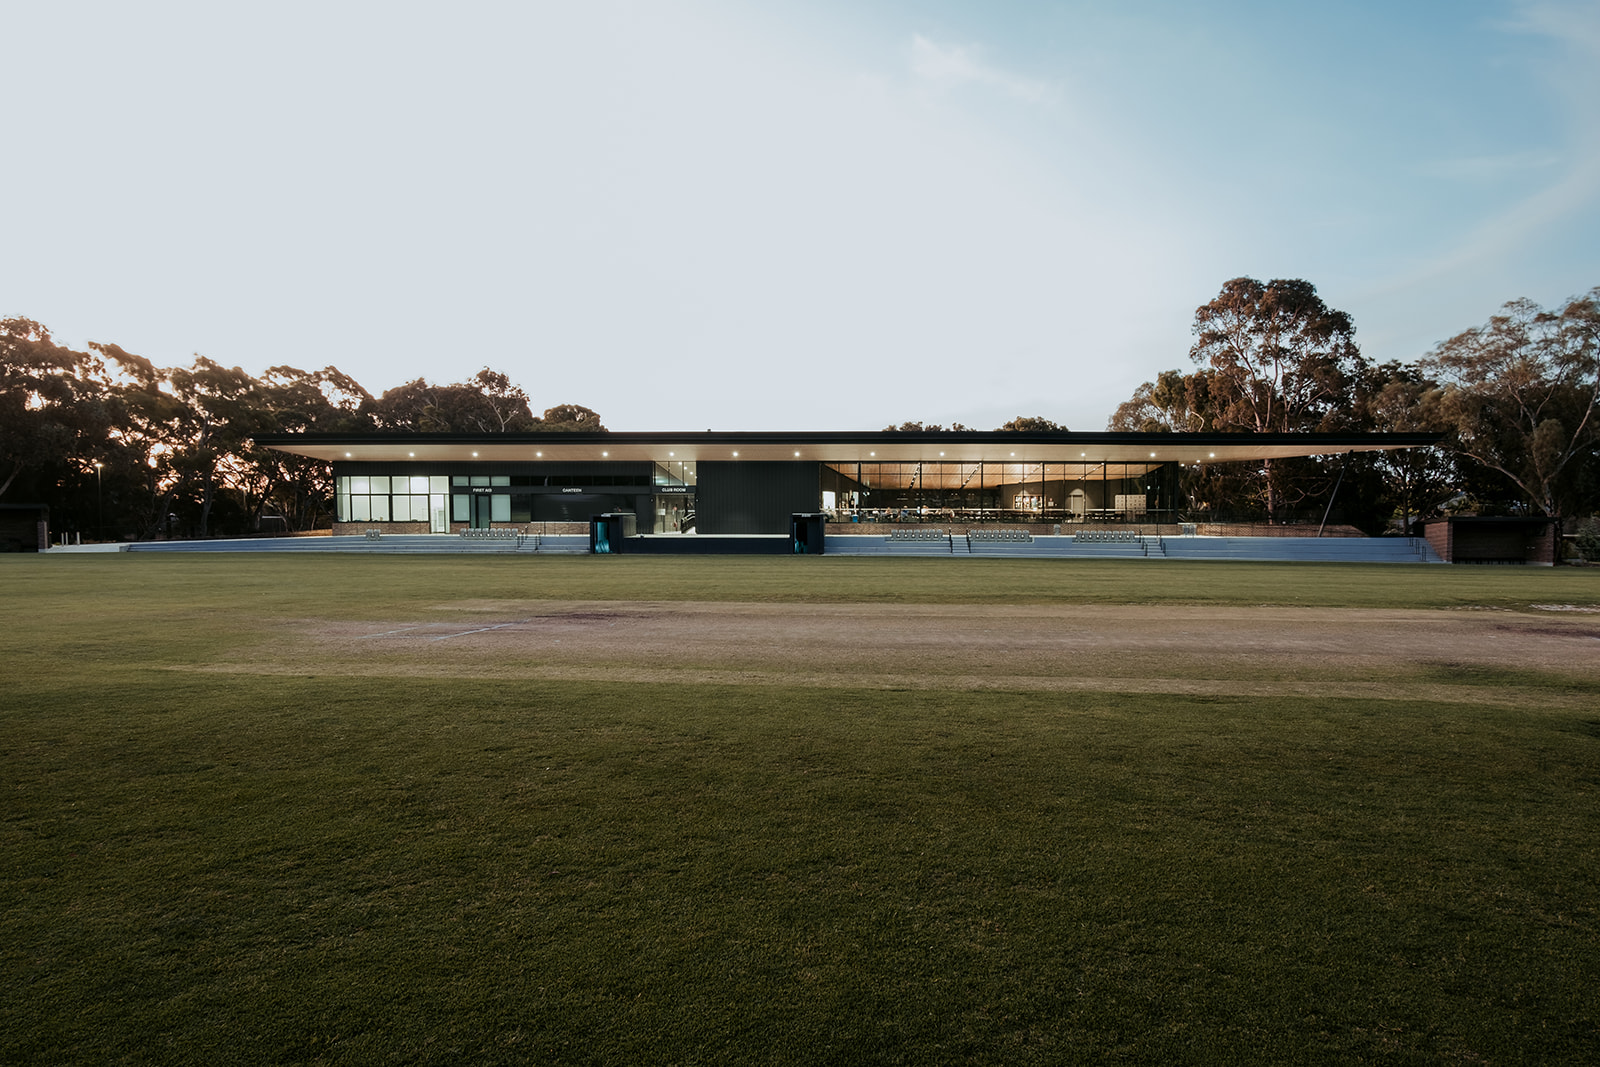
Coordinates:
[233,834]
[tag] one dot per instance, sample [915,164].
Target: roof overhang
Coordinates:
[827,447]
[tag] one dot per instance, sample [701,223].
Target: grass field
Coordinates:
[797,810]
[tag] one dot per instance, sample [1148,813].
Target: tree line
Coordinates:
[120,448]
[1515,399]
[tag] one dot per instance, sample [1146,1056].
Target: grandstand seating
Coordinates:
[503,541]
[918,533]
[1133,545]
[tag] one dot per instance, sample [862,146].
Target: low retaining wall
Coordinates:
[356,529]
[1263,529]
[961,529]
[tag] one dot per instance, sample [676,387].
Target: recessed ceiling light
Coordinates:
[1152,455]
[347,455]
[797,453]
[538,453]
[474,455]
[608,453]
[941,453]
[410,453]
[672,453]
[736,453]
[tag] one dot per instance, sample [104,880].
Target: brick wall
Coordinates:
[1437,534]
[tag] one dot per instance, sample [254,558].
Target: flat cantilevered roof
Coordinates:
[832,447]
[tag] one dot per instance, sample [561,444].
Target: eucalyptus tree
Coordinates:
[486,403]
[1520,398]
[1280,361]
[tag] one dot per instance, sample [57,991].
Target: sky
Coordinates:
[784,215]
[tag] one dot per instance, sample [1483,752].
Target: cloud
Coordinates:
[1490,168]
[1578,24]
[1570,191]
[957,66]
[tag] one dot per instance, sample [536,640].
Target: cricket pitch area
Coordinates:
[1180,649]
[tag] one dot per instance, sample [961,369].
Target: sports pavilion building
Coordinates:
[753,483]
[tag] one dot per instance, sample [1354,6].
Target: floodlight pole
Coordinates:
[1337,482]
[99,505]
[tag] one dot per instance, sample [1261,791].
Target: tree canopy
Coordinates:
[1031,424]
[1281,360]
[118,446]
[1516,397]
[1520,395]
[1020,424]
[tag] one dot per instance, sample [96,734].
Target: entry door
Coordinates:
[482,505]
[438,513]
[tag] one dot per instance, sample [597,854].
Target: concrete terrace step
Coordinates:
[1054,548]
[1304,549]
[882,546]
[388,544]
[558,544]
[1259,549]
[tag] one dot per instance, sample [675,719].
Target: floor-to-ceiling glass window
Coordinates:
[1007,490]
[673,500]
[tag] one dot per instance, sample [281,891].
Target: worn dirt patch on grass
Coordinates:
[1494,657]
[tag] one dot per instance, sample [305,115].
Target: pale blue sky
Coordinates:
[693,214]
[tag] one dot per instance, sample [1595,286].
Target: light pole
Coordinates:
[99,506]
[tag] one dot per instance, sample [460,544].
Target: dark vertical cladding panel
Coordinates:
[577,507]
[753,498]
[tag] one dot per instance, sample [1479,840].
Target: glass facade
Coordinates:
[393,498]
[523,494]
[663,494]
[1003,491]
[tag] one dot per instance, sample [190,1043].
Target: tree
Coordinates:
[1281,361]
[1520,397]
[220,408]
[1174,403]
[296,489]
[1411,484]
[1031,424]
[488,402]
[569,418]
[53,412]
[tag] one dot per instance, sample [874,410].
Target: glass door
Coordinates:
[482,511]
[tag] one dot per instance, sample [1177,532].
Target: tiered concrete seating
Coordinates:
[387,544]
[559,544]
[1305,549]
